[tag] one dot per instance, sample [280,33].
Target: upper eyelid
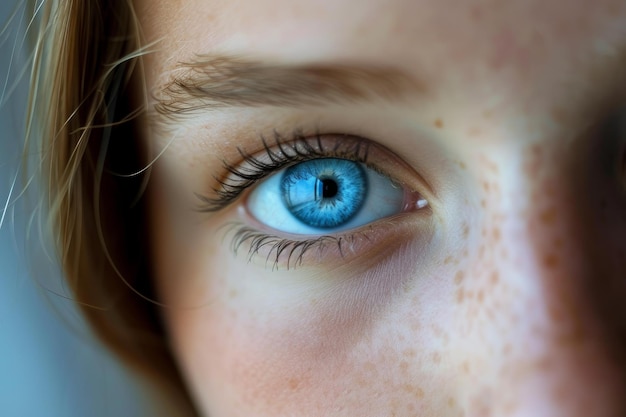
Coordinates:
[253,168]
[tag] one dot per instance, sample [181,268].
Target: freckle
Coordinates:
[458,277]
[465,367]
[232,293]
[536,150]
[560,394]
[460,296]
[550,260]
[474,132]
[531,168]
[411,353]
[483,203]
[404,366]
[448,260]
[556,313]
[438,123]
[462,165]
[558,115]
[551,186]
[494,278]
[417,391]
[481,296]
[451,402]
[486,186]
[496,234]
[465,230]
[439,332]
[369,366]
[293,383]
[481,252]
[510,407]
[492,166]
[436,357]
[548,216]
[476,12]
[507,349]
[465,253]
[614,9]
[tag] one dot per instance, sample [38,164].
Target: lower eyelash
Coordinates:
[275,246]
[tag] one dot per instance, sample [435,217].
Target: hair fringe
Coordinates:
[86,74]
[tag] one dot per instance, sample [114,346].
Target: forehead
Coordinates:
[514,49]
[424,32]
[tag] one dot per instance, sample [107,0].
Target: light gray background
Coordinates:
[48,364]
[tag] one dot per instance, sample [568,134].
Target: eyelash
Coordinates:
[298,148]
[278,155]
[294,249]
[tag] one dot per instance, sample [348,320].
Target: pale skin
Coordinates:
[503,297]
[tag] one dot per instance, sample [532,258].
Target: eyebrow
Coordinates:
[213,82]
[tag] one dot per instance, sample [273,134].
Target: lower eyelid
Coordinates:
[266,248]
[258,245]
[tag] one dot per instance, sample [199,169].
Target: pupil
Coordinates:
[329,188]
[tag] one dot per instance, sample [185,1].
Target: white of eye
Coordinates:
[265,203]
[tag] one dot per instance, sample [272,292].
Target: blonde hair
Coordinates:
[84,111]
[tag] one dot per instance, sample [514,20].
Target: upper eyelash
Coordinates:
[297,149]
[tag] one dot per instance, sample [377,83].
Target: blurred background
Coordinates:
[49,365]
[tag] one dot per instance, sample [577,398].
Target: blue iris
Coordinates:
[324,193]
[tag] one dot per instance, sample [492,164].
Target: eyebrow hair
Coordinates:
[212,81]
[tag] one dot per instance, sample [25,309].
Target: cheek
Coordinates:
[258,343]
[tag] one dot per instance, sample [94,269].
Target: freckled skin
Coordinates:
[506,300]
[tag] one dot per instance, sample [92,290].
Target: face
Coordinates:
[391,207]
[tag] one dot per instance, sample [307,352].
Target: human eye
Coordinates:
[327,195]
[308,192]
